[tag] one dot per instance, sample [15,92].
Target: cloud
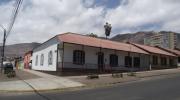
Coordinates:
[40,20]
[139,13]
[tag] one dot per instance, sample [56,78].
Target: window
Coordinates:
[128,61]
[36,60]
[42,60]
[171,62]
[155,60]
[113,60]
[50,58]
[78,57]
[137,62]
[163,61]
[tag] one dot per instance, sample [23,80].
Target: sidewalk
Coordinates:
[108,79]
[41,81]
[44,82]
[157,72]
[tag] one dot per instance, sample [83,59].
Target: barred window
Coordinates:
[113,60]
[42,60]
[78,57]
[36,63]
[50,58]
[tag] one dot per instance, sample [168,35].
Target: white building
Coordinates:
[72,52]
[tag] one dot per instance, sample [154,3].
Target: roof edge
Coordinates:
[168,51]
[153,52]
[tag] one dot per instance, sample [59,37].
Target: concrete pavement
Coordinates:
[106,79]
[45,82]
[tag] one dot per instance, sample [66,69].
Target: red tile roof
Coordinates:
[96,42]
[174,51]
[152,49]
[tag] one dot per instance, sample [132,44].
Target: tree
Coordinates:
[92,35]
[107,28]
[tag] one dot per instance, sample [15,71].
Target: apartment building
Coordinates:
[162,39]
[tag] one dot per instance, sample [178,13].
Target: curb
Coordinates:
[44,90]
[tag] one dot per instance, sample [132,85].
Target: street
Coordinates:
[164,88]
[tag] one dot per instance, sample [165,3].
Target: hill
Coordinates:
[17,50]
[138,37]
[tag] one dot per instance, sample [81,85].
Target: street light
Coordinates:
[4,41]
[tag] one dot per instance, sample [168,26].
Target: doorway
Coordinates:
[100,61]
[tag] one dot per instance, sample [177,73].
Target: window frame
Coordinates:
[79,57]
[36,62]
[42,60]
[113,60]
[50,58]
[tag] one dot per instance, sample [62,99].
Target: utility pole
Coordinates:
[7,32]
[3,47]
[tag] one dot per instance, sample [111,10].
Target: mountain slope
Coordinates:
[17,50]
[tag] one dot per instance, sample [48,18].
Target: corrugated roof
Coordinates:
[96,42]
[155,50]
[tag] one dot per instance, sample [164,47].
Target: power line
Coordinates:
[14,15]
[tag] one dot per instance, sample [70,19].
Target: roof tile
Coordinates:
[96,42]
[152,49]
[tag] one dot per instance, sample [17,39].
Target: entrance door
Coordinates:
[100,61]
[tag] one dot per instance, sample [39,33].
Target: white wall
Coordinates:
[91,57]
[145,61]
[45,48]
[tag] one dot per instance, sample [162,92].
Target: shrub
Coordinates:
[11,74]
[132,74]
[117,75]
[93,76]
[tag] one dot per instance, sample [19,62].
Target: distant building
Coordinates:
[28,60]
[162,39]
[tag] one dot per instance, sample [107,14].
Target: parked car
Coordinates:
[8,67]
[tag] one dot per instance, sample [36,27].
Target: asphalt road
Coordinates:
[167,88]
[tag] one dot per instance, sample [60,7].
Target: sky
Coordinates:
[39,20]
